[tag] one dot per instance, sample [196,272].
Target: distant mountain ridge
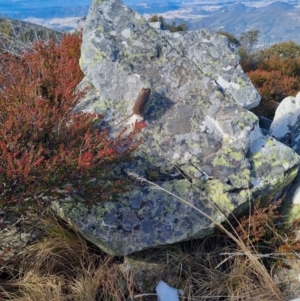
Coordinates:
[17,35]
[51,12]
[277,21]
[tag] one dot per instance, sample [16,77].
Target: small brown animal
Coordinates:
[140,103]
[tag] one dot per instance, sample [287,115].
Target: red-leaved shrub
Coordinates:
[273,86]
[275,77]
[264,230]
[46,149]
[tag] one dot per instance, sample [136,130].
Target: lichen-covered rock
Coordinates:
[287,277]
[286,129]
[286,123]
[200,143]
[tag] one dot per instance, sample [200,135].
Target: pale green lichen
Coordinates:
[241,179]
[99,56]
[129,57]
[257,160]
[227,156]
[221,161]
[182,187]
[81,62]
[100,29]
[99,106]
[191,170]
[233,155]
[293,213]
[245,195]
[241,82]
[74,209]
[167,186]
[216,190]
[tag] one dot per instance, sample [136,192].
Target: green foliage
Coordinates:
[171,27]
[45,149]
[248,39]
[157,18]
[283,50]
[174,28]
[230,36]
[248,56]
[275,71]
[5,27]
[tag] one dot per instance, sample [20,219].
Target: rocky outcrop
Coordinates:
[286,129]
[286,123]
[202,150]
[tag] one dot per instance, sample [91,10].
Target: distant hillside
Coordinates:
[16,35]
[51,12]
[277,22]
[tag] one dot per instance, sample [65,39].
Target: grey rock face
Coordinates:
[286,124]
[200,143]
[286,129]
[121,53]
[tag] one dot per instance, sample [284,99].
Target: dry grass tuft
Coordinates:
[63,268]
[225,275]
[35,287]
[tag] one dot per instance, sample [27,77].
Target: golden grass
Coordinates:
[63,267]
[213,269]
[234,279]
